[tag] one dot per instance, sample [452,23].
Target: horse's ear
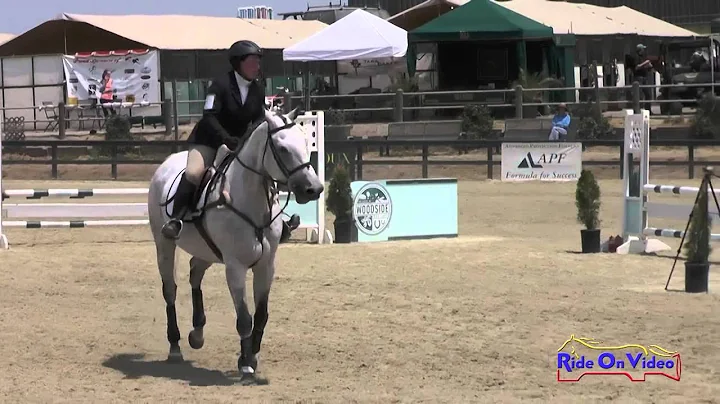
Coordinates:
[269,117]
[293,114]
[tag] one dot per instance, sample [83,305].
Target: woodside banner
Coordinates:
[134,76]
[560,161]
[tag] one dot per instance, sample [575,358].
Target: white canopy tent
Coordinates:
[360,36]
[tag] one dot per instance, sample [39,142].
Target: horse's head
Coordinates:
[288,159]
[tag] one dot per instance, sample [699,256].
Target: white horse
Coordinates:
[236,226]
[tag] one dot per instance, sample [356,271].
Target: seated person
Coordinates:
[560,123]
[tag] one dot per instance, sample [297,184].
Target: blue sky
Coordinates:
[22,15]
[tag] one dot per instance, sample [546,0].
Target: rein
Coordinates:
[220,176]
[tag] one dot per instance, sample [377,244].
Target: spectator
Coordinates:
[642,68]
[106,92]
[560,123]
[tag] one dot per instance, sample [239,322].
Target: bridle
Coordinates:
[270,191]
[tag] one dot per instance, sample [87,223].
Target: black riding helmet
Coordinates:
[242,49]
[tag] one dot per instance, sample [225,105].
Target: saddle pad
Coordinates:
[171,188]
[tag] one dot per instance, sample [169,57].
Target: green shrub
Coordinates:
[587,200]
[339,194]
[706,122]
[477,121]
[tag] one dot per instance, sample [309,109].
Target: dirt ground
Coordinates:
[473,319]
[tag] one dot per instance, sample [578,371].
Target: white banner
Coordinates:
[371,67]
[134,76]
[541,161]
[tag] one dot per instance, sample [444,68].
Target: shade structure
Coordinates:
[481,20]
[360,35]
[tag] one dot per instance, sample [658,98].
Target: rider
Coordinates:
[234,102]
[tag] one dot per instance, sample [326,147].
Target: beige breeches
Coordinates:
[200,157]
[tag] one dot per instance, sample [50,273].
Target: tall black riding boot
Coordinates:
[183,197]
[288,227]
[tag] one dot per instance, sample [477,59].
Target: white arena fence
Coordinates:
[312,215]
[639,209]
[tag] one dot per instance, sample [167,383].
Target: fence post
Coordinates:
[176,119]
[425,154]
[287,101]
[518,101]
[61,119]
[399,105]
[691,162]
[113,161]
[167,116]
[636,97]
[54,164]
[490,161]
[359,162]
[596,80]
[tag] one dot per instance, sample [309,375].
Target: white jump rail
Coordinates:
[638,210]
[312,124]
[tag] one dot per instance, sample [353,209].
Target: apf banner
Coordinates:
[134,76]
[541,161]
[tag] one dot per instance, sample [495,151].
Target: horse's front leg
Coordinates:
[263,274]
[196,339]
[235,273]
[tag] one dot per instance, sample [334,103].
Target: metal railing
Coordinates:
[399,106]
[362,151]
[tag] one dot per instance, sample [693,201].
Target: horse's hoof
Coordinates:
[196,339]
[175,356]
[247,367]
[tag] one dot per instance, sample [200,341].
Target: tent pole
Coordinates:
[306,85]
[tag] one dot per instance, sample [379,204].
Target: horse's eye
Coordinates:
[283,150]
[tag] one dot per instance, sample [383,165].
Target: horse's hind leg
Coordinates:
[166,264]
[197,271]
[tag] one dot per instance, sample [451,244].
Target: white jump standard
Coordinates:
[638,209]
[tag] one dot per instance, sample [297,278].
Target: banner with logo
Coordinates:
[385,210]
[371,67]
[134,75]
[541,161]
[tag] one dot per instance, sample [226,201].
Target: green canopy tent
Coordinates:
[481,20]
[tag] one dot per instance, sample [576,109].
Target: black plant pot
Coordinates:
[696,277]
[345,230]
[590,241]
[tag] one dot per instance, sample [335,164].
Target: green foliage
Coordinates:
[706,122]
[697,241]
[339,195]
[592,128]
[530,81]
[587,200]
[336,117]
[477,121]
[401,81]
[117,127]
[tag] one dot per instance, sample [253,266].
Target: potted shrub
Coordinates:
[339,202]
[697,245]
[587,201]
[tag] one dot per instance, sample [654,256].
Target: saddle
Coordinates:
[211,192]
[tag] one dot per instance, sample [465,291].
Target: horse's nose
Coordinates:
[314,191]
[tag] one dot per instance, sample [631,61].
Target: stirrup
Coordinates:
[166,228]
